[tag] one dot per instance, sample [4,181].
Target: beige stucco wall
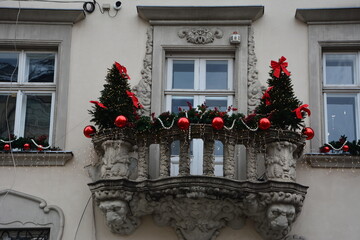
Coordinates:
[331,210]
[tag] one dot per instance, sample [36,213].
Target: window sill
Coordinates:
[35,159]
[325,160]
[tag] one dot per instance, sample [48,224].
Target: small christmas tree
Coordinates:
[279,103]
[116,99]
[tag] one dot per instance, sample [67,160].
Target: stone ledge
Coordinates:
[328,15]
[35,159]
[325,160]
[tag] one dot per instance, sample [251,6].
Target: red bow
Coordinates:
[299,110]
[278,66]
[266,96]
[134,99]
[99,104]
[122,70]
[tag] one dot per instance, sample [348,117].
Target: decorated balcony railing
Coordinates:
[197,207]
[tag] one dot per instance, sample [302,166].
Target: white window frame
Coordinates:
[342,90]
[199,95]
[21,87]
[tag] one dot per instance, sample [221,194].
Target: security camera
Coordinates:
[117,5]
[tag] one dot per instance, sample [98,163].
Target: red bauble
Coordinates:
[345,148]
[308,132]
[40,148]
[26,146]
[120,121]
[89,131]
[218,123]
[264,123]
[183,123]
[325,149]
[7,147]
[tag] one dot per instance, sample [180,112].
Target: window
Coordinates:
[341,89]
[195,81]
[27,93]
[25,234]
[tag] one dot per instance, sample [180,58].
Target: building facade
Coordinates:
[54,58]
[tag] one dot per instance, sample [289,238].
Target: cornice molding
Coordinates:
[170,14]
[42,15]
[328,15]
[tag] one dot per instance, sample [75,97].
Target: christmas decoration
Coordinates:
[40,147]
[280,66]
[7,147]
[120,121]
[89,131]
[183,123]
[279,103]
[217,123]
[325,149]
[116,99]
[308,132]
[264,123]
[345,148]
[299,111]
[26,146]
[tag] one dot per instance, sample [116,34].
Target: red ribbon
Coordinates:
[299,110]
[99,104]
[278,66]
[266,96]
[122,70]
[134,99]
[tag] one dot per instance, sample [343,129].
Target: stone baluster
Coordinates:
[143,160]
[229,159]
[184,161]
[251,164]
[209,158]
[164,157]
[280,161]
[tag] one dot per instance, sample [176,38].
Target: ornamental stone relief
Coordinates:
[200,35]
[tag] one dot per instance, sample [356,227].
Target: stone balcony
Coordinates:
[198,206]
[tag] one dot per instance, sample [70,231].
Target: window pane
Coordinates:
[9,67]
[25,234]
[183,74]
[216,74]
[340,69]
[181,102]
[8,114]
[37,118]
[40,67]
[341,117]
[218,102]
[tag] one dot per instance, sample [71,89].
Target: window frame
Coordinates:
[22,87]
[345,90]
[199,94]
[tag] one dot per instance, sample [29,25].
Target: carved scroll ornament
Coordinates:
[200,35]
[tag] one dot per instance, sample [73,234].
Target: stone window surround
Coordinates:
[43,29]
[328,29]
[35,213]
[222,21]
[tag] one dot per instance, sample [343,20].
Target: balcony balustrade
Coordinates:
[199,206]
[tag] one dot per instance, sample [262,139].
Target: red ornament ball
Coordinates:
[183,123]
[345,148]
[120,121]
[218,123]
[40,147]
[89,131]
[264,123]
[26,146]
[325,149]
[308,132]
[7,147]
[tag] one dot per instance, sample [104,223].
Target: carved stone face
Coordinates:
[280,216]
[115,212]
